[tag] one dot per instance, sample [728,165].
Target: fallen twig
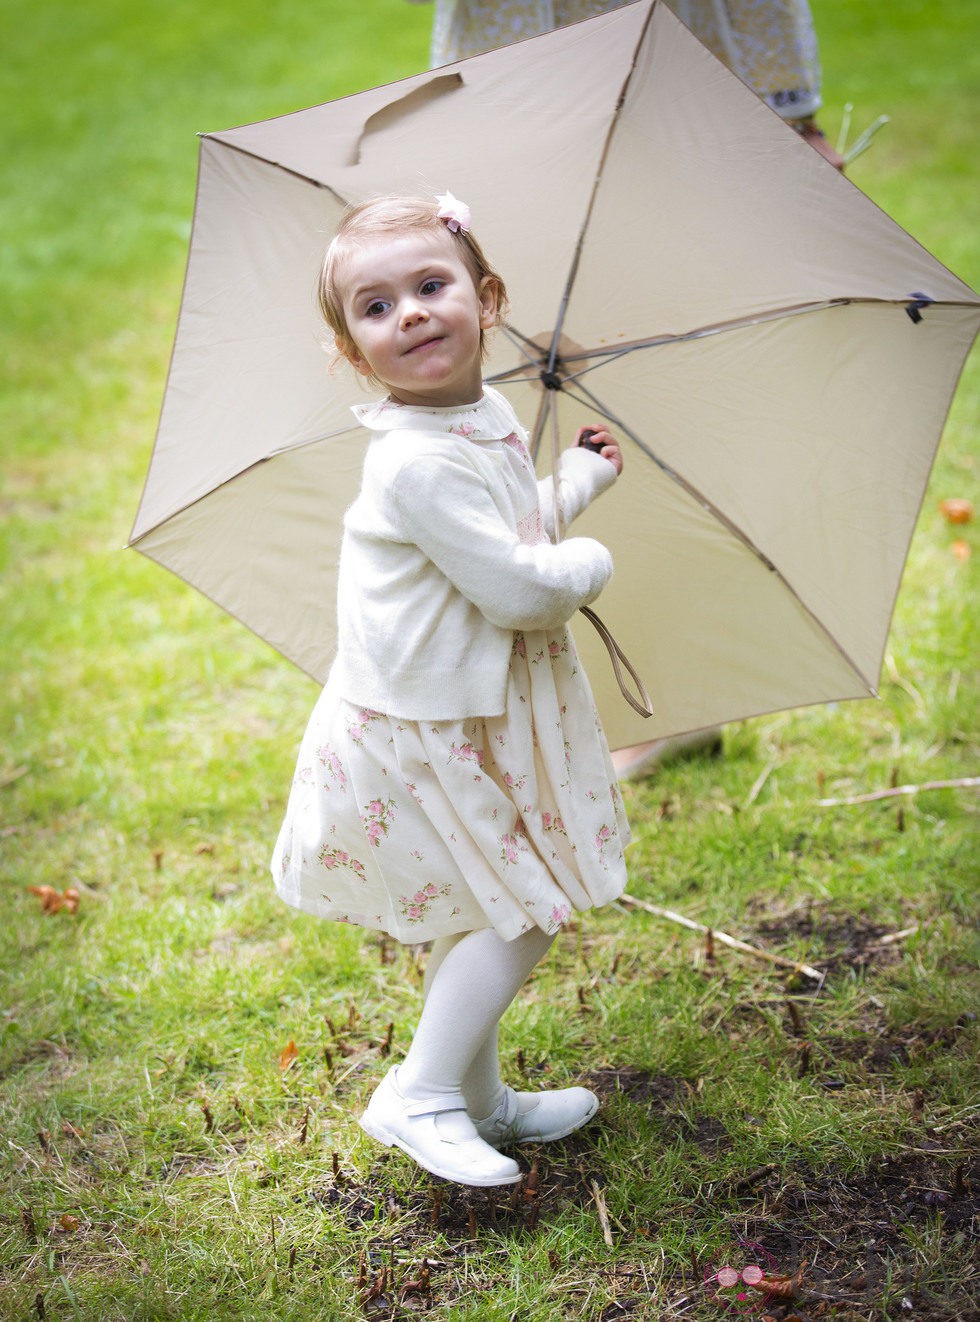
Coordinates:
[600,1203]
[892,937]
[724,938]
[963,783]
[754,1177]
[761,779]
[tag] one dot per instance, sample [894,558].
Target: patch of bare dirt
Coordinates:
[837,940]
[896,1240]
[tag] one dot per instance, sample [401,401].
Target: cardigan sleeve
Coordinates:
[582,476]
[444,507]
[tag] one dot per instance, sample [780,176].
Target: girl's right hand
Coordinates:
[601,442]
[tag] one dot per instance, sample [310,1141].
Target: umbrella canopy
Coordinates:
[775,353]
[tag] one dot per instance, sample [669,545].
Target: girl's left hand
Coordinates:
[610,446]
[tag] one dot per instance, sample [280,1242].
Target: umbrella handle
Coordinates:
[617,656]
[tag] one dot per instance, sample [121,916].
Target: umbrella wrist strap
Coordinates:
[620,661]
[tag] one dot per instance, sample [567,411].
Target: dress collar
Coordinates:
[491,418]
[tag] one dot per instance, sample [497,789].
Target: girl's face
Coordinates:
[415,317]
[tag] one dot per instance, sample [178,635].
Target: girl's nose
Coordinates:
[413,313]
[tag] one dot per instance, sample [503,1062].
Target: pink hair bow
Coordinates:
[456,214]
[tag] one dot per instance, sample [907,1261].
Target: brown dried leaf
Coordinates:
[781,1287]
[956,509]
[52,900]
[288,1055]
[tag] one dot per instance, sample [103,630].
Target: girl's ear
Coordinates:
[349,350]
[488,293]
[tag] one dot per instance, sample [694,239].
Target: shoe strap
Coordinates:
[435,1105]
[504,1114]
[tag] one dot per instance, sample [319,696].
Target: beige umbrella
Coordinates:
[777,355]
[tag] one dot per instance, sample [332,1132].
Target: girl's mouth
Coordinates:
[424,344]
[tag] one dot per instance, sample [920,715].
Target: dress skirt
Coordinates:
[422,829]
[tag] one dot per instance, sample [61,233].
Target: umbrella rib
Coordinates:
[700,333]
[541,417]
[604,156]
[726,522]
[610,354]
[523,345]
[598,357]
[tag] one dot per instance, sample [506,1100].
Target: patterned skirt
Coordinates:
[425,828]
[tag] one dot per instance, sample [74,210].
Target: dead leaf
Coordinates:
[956,509]
[961,550]
[52,900]
[288,1055]
[68,1223]
[780,1287]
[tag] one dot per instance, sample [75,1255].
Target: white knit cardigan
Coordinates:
[447,551]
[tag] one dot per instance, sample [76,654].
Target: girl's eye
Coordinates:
[432,286]
[376,309]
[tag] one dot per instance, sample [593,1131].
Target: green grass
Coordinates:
[157,1162]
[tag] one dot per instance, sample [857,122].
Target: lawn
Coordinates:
[182,1060]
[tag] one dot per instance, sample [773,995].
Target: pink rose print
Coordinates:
[555,648]
[560,915]
[377,818]
[520,647]
[416,907]
[357,729]
[510,847]
[339,858]
[513,784]
[466,753]
[464,429]
[553,822]
[413,789]
[515,443]
[603,837]
[334,766]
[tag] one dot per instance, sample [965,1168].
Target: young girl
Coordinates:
[454,783]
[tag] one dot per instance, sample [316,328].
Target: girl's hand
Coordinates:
[604,443]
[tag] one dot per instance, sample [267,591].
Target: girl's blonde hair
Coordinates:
[390,215]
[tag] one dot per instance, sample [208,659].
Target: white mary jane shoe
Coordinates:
[538,1117]
[453,1150]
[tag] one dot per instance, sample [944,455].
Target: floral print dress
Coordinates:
[421,829]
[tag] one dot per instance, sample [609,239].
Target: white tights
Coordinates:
[470,981]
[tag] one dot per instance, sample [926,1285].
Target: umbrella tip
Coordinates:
[914,309]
